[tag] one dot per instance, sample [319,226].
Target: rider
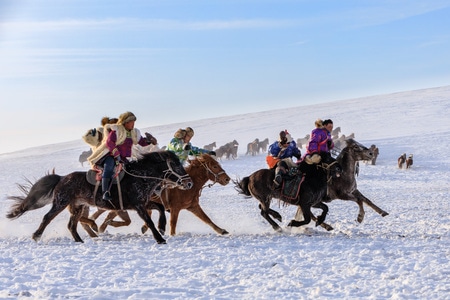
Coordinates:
[181,145]
[284,149]
[320,141]
[93,137]
[116,147]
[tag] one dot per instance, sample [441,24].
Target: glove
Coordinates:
[212,153]
[313,159]
[187,147]
[93,131]
[118,160]
[150,139]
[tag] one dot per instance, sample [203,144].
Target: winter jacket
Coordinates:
[177,146]
[291,150]
[118,143]
[320,141]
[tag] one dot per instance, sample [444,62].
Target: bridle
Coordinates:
[165,181]
[216,176]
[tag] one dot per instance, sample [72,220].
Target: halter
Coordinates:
[216,176]
[167,173]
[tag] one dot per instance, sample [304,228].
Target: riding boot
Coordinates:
[105,189]
[279,172]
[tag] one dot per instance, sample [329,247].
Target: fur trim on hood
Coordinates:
[126,117]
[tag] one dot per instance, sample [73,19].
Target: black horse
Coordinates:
[345,187]
[313,190]
[154,170]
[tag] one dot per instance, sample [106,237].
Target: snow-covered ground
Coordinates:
[405,255]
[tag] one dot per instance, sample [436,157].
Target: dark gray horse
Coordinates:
[345,187]
[141,178]
[312,190]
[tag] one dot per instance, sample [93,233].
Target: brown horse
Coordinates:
[201,169]
[313,190]
[345,187]
[252,148]
[409,161]
[401,160]
[142,178]
[262,145]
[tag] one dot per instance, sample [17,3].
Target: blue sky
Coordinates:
[66,64]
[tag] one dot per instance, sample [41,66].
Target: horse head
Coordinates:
[213,169]
[358,151]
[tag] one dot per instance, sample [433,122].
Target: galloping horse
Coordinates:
[201,169]
[312,190]
[344,187]
[142,177]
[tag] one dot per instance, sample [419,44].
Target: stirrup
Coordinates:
[107,196]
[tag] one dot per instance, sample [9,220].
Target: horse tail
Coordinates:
[241,186]
[36,195]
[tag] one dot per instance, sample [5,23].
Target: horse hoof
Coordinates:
[162,242]
[384,214]
[224,232]
[144,229]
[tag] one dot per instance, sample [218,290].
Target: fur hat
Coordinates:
[318,123]
[126,117]
[190,131]
[108,120]
[180,134]
[283,138]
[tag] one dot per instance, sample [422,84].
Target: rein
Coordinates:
[327,167]
[165,179]
[216,176]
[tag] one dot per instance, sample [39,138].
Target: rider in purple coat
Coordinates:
[320,140]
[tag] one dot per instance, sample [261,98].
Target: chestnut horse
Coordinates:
[201,169]
[142,178]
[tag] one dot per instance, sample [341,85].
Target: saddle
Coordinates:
[93,176]
[290,187]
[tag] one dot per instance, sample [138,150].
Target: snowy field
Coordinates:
[405,255]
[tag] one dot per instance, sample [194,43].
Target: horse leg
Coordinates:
[174,212]
[266,212]
[323,215]
[360,199]
[142,212]
[97,213]
[198,211]
[306,209]
[75,215]
[109,220]
[89,225]
[299,217]
[54,211]
[275,214]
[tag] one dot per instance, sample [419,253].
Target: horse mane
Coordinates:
[155,156]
